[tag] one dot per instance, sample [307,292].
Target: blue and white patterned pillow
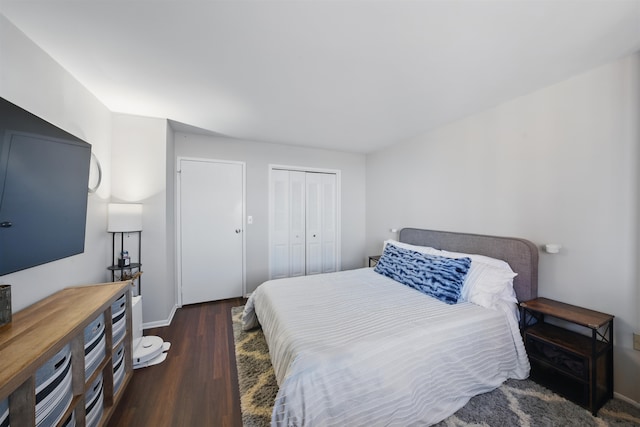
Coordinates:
[434,275]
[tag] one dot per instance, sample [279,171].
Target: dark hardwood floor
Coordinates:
[198,384]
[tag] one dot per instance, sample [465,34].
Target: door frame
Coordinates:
[338,174]
[179,221]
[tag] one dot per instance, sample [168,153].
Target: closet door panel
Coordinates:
[279,218]
[303,223]
[329,218]
[314,223]
[297,231]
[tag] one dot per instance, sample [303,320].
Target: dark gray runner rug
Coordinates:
[515,403]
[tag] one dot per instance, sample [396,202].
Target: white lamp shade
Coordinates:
[123,217]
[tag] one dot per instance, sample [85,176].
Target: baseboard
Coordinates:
[161,323]
[626,399]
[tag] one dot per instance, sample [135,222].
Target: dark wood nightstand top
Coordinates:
[581,316]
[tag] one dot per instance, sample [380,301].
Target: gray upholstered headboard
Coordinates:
[521,254]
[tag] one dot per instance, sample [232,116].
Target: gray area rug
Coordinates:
[515,403]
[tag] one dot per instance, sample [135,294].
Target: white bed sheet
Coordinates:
[355,348]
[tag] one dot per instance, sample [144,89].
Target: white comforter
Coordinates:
[355,348]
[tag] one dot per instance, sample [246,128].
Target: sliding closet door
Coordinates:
[287,223]
[279,224]
[297,236]
[303,223]
[329,223]
[321,223]
[314,223]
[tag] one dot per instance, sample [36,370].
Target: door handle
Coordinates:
[238,230]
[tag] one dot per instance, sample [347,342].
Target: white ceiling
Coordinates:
[347,75]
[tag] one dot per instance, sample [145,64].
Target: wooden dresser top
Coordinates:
[39,331]
[581,316]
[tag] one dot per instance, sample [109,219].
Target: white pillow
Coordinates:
[433,251]
[486,284]
[421,249]
[488,280]
[479,258]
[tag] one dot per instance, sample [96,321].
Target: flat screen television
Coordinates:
[44,175]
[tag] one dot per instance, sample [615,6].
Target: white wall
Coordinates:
[258,156]
[170,230]
[139,157]
[558,165]
[141,150]
[32,80]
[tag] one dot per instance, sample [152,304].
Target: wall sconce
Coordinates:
[552,248]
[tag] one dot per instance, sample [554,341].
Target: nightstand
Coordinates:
[373,260]
[576,366]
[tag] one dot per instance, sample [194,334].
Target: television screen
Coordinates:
[44,173]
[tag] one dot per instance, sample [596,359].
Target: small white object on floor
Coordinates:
[149,350]
[159,359]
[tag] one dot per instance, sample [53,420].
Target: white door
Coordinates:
[279,224]
[211,204]
[314,223]
[287,223]
[303,223]
[329,223]
[297,230]
[321,222]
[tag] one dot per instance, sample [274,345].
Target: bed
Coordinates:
[358,348]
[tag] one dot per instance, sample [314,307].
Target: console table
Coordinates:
[41,330]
